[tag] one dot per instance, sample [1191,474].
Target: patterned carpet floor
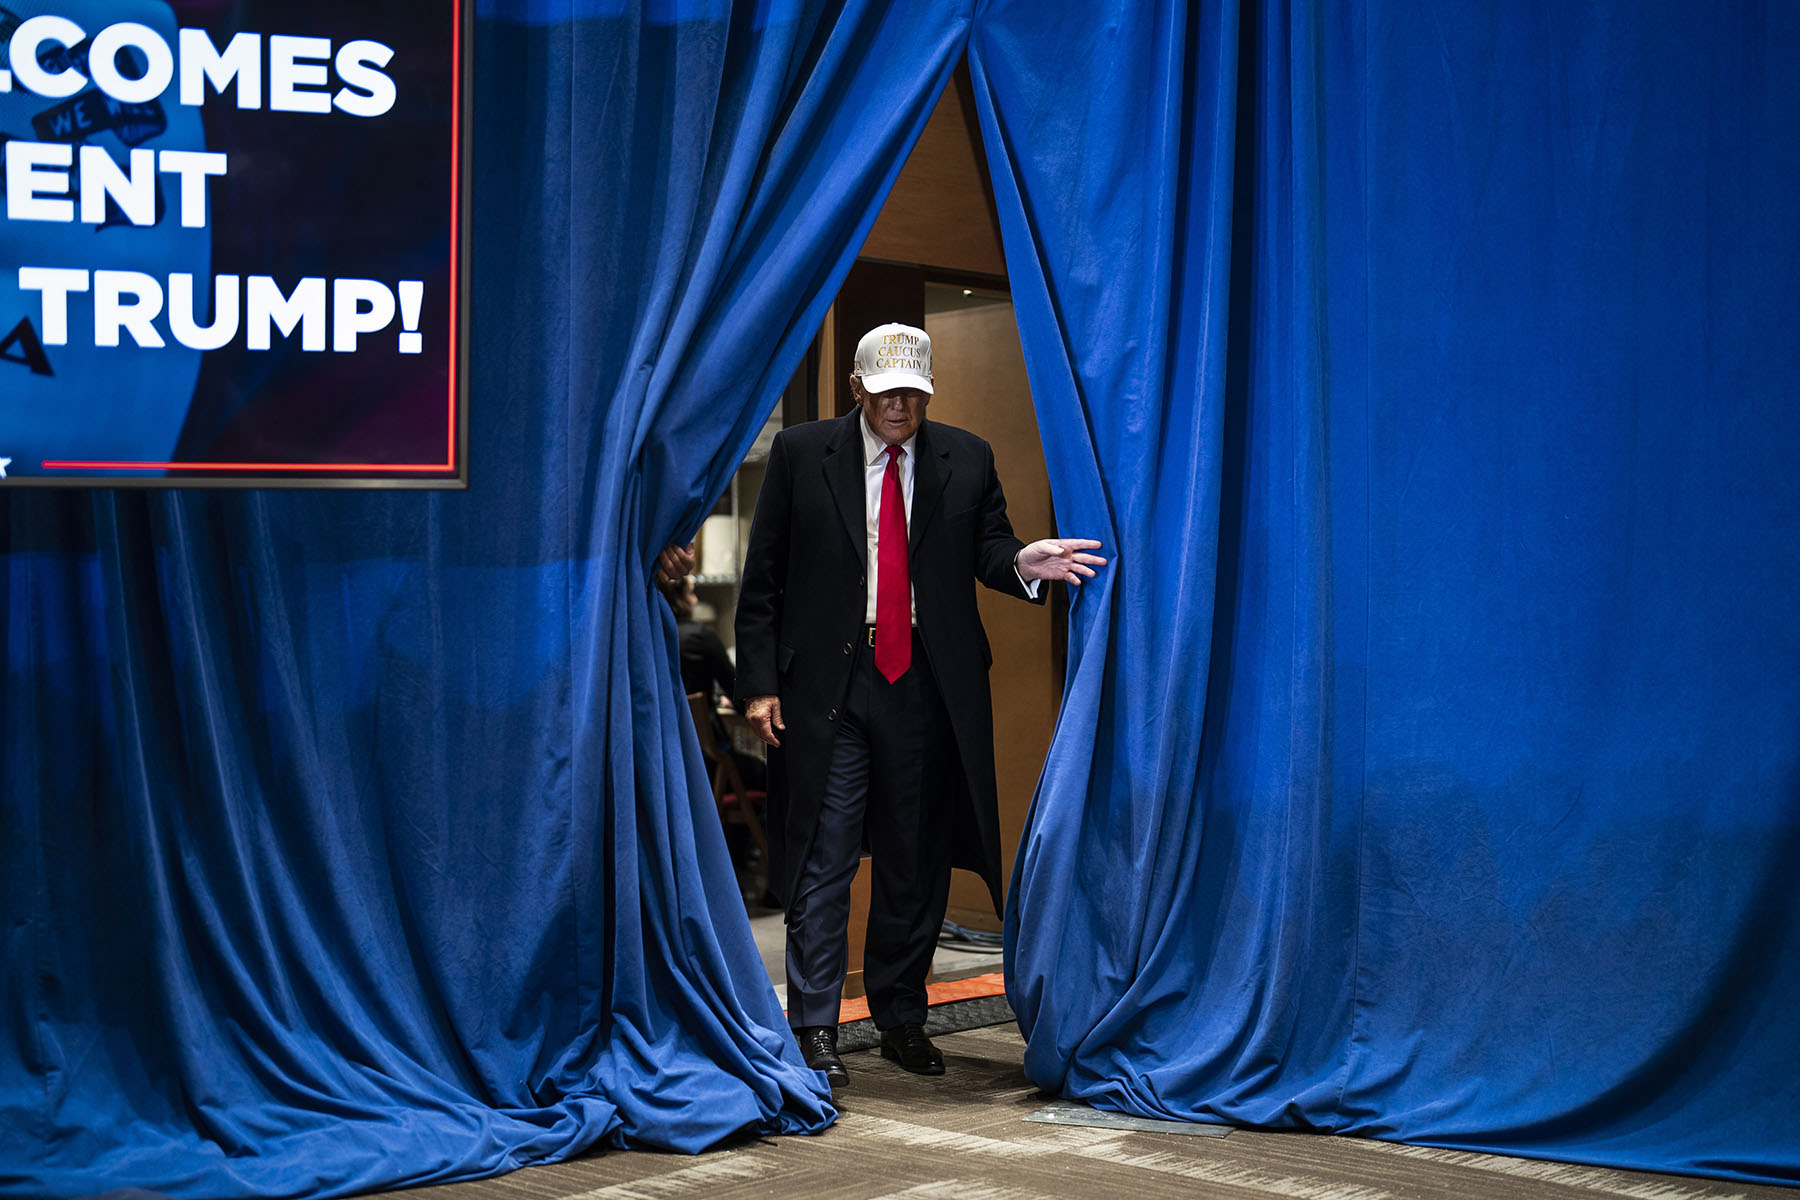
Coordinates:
[965,1136]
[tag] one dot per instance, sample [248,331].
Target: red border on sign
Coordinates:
[449,463]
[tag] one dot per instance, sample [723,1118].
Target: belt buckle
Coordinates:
[871,635]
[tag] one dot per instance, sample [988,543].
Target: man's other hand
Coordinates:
[764,715]
[675,562]
[1059,558]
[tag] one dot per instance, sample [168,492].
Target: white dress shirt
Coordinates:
[875,460]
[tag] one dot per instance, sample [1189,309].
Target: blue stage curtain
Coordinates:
[1429,765]
[352,841]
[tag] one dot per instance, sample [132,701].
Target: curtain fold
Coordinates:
[353,841]
[1197,814]
[1427,756]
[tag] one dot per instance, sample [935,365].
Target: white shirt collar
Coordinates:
[874,448]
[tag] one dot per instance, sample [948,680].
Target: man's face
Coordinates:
[894,415]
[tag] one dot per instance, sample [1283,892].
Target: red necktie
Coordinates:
[893,579]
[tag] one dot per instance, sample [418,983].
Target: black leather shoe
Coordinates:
[908,1046]
[818,1045]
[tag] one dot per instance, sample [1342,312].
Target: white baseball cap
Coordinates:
[894,356]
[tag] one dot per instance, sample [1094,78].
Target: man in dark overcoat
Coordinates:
[861,657]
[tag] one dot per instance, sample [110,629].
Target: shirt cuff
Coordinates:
[1030,586]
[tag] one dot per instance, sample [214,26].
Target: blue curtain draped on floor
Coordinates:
[1429,766]
[352,841]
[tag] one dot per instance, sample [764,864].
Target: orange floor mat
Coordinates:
[935,993]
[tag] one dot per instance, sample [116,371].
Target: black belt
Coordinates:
[869,634]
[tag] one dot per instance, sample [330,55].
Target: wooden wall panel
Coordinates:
[938,213]
[979,373]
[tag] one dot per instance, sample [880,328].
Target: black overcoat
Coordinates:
[803,601]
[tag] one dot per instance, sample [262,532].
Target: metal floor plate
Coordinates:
[1068,1112]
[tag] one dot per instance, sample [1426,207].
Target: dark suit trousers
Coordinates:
[887,777]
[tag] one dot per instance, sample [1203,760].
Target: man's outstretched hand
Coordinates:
[764,715]
[1060,558]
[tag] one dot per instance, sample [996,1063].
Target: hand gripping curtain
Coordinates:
[1427,766]
[359,841]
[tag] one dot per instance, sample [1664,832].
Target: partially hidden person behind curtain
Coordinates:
[862,659]
[705,664]
[706,668]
